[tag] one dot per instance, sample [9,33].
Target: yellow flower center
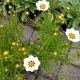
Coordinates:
[42,6]
[31,63]
[72,36]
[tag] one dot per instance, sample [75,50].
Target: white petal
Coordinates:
[31,57]
[29,69]
[37,63]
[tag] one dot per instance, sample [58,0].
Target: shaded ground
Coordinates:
[67,72]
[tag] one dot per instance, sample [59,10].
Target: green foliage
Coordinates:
[24,5]
[11,49]
[18,6]
[71,9]
[50,43]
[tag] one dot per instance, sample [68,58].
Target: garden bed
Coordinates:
[40,40]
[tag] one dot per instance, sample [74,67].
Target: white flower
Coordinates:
[42,5]
[73,35]
[31,63]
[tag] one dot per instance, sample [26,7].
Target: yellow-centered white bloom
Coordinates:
[42,5]
[73,35]
[31,63]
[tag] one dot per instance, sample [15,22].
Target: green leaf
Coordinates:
[75,23]
[50,16]
[4,10]
[27,6]
[23,16]
[69,15]
[20,9]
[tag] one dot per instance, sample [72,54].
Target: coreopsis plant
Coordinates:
[12,52]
